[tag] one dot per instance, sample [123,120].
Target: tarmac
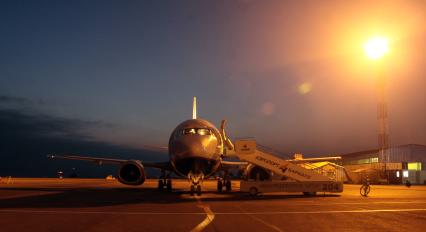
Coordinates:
[106,205]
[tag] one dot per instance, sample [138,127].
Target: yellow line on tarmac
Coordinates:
[209,218]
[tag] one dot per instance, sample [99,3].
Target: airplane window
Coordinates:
[179,133]
[202,131]
[189,131]
[194,131]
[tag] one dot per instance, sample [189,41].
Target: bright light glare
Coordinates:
[376,47]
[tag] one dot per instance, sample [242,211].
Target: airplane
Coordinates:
[196,150]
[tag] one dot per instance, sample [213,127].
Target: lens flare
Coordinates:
[268,108]
[305,88]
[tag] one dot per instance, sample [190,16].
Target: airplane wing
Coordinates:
[156,148]
[100,161]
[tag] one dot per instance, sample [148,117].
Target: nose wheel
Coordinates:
[195,180]
[196,189]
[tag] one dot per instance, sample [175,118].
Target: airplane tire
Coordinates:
[160,184]
[219,186]
[228,186]
[169,185]
[192,190]
[253,191]
[199,190]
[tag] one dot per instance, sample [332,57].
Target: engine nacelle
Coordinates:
[257,173]
[131,173]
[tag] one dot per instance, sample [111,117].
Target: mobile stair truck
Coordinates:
[295,176]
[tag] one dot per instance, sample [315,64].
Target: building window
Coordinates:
[366,161]
[405,173]
[397,174]
[363,161]
[417,166]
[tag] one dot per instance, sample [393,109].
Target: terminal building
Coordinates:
[395,165]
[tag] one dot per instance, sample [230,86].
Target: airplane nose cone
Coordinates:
[187,149]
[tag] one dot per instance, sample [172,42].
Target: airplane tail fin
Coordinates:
[194,108]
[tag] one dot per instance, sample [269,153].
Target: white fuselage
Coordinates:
[195,147]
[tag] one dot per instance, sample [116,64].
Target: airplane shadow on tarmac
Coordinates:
[93,197]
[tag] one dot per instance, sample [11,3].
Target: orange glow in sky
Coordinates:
[376,47]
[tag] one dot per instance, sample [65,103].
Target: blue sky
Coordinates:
[289,74]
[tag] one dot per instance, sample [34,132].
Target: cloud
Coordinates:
[29,122]
[23,124]
[27,137]
[4,99]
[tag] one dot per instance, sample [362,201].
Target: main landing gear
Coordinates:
[224,181]
[221,183]
[165,183]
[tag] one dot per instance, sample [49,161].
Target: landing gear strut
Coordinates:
[195,180]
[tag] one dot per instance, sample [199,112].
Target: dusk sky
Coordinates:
[292,74]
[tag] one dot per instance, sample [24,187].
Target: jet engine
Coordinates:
[257,173]
[132,173]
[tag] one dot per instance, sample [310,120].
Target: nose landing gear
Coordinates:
[224,181]
[196,189]
[195,180]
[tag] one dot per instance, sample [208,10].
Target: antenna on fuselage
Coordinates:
[194,108]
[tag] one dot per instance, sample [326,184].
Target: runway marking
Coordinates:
[336,211]
[210,213]
[209,218]
[265,223]
[262,221]
[360,203]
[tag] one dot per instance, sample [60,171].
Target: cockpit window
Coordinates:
[189,131]
[194,131]
[202,131]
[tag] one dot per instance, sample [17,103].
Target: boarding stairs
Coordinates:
[301,178]
[246,150]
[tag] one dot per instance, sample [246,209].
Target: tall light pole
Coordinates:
[375,49]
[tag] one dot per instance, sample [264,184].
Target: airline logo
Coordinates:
[245,147]
[269,162]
